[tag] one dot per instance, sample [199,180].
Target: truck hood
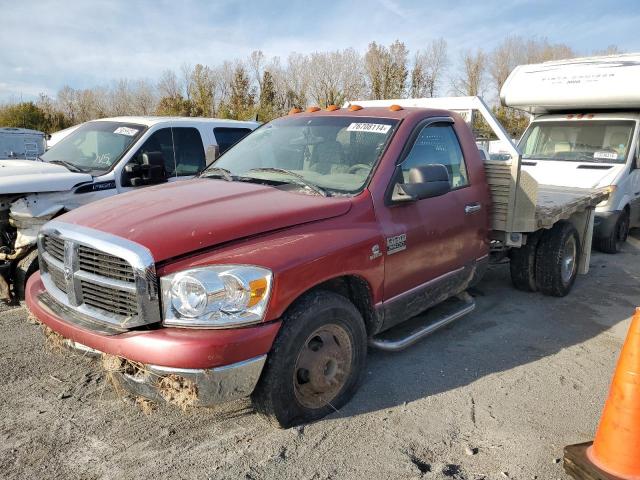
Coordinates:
[572,174]
[183,217]
[28,176]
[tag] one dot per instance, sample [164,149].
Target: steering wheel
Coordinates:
[358,166]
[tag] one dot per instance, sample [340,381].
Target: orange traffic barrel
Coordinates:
[615,451]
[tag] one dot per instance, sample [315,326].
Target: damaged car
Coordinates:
[97,160]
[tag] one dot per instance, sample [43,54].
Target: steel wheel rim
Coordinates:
[323,366]
[569,259]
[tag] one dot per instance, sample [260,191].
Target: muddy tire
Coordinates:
[316,362]
[26,267]
[523,264]
[557,259]
[613,243]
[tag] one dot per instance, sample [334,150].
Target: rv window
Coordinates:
[579,141]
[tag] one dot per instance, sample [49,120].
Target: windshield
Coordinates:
[94,146]
[604,141]
[329,153]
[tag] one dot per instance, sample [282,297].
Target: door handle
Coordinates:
[472,208]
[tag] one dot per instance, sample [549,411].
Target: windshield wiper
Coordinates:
[300,178]
[219,173]
[70,166]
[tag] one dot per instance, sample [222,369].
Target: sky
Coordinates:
[85,43]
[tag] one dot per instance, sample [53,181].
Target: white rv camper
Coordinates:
[584,133]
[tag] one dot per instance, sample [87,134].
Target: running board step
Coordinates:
[415,329]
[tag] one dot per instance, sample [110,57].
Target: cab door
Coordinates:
[430,243]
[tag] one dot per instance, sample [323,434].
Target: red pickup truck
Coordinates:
[270,274]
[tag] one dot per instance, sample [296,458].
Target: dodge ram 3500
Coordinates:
[317,235]
[96,160]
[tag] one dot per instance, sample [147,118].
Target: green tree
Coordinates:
[241,101]
[266,103]
[201,89]
[176,106]
[386,70]
[24,115]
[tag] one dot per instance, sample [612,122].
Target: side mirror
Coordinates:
[150,172]
[424,182]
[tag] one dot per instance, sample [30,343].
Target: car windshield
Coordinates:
[327,154]
[604,141]
[94,146]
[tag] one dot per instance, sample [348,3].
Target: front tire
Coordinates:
[316,362]
[557,260]
[26,267]
[618,236]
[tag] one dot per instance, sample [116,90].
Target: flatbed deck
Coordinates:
[556,203]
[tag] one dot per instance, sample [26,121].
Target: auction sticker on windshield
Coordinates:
[606,155]
[369,127]
[129,132]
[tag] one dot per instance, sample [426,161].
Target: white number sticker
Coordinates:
[129,132]
[606,155]
[369,127]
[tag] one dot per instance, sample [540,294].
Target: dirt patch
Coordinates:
[178,391]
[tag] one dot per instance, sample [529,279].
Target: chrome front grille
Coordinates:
[108,278]
[103,264]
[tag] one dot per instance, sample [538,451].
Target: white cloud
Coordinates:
[90,43]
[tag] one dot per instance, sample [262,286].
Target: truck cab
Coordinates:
[97,160]
[584,133]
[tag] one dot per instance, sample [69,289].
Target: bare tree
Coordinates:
[428,68]
[143,98]
[471,80]
[610,50]
[168,85]
[335,77]
[255,64]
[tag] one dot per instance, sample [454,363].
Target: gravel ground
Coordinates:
[496,395]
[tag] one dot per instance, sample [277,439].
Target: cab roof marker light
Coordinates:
[332,108]
[395,108]
[312,109]
[354,108]
[294,110]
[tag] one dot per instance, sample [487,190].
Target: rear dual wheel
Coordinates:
[549,261]
[316,362]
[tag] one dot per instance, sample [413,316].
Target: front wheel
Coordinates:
[26,267]
[316,362]
[618,236]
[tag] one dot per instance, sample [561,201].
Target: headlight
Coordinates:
[216,296]
[611,189]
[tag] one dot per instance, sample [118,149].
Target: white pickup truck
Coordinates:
[585,133]
[98,159]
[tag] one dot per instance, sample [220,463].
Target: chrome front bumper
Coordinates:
[214,386]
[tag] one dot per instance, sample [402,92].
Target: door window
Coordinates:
[438,144]
[189,151]
[227,137]
[159,141]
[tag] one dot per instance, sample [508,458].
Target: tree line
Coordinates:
[266,88]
